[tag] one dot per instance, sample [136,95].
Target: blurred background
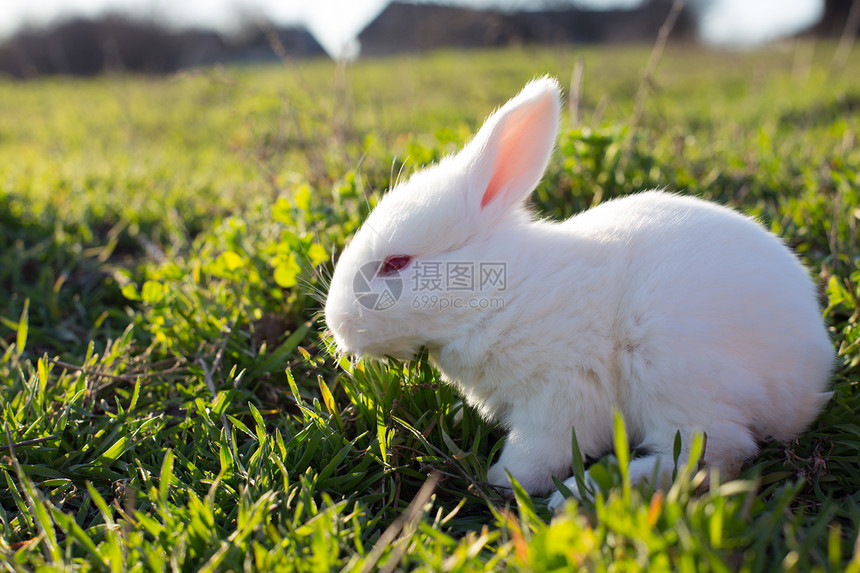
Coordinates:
[86,37]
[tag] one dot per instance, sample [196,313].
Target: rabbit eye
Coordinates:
[393,264]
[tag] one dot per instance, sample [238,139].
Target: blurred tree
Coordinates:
[836,14]
[115,42]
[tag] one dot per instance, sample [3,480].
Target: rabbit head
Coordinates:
[411,275]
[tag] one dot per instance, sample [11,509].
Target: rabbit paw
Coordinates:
[532,477]
[497,476]
[557,499]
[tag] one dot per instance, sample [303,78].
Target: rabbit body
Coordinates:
[681,314]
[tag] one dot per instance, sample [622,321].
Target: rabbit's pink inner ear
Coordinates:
[505,170]
[522,151]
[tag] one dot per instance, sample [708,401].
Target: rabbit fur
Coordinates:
[681,314]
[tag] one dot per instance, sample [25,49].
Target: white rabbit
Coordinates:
[681,314]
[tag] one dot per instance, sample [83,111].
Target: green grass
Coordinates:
[169,400]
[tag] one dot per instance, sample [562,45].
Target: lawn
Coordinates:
[170,399]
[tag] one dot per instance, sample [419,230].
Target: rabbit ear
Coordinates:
[513,147]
